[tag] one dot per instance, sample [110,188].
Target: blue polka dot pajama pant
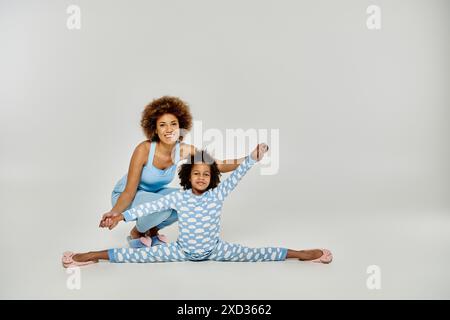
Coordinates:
[173,252]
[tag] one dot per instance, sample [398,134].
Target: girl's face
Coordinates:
[168,128]
[200,177]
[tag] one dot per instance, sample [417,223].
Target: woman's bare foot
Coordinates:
[135,234]
[152,232]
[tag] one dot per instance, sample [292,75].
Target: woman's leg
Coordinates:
[134,233]
[160,219]
[150,224]
[114,197]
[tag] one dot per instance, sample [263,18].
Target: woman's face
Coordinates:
[200,176]
[168,128]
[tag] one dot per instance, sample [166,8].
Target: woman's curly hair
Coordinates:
[200,156]
[161,106]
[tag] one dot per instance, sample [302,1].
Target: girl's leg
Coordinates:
[169,252]
[235,252]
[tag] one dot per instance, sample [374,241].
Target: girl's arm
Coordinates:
[222,165]
[165,203]
[229,165]
[225,187]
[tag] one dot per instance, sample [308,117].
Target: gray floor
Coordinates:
[410,248]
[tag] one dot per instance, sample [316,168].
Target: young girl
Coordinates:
[199,208]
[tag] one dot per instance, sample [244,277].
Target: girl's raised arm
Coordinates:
[223,165]
[225,187]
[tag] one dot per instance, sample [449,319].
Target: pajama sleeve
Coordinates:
[167,202]
[225,187]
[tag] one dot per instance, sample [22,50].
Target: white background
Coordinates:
[363,151]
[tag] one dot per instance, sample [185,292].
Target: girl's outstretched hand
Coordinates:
[259,151]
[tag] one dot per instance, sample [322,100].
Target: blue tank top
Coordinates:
[152,179]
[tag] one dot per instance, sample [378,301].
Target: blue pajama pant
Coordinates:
[172,252]
[159,219]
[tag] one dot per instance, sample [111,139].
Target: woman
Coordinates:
[153,166]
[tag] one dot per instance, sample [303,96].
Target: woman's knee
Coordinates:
[170,220]
[145,223]
[143,197]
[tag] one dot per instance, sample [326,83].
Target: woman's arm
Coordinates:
[137,162]
[222,165]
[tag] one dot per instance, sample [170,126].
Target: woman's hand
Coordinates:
[259,151]
[110,220]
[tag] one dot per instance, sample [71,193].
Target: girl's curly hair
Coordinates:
[161,106]
[200,156]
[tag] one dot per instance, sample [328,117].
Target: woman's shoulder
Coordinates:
[142,149]
[140,155]
[144,145]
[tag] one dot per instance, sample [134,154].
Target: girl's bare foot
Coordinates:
[308,255]
[84,257]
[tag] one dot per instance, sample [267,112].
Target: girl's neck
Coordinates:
[196,192]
